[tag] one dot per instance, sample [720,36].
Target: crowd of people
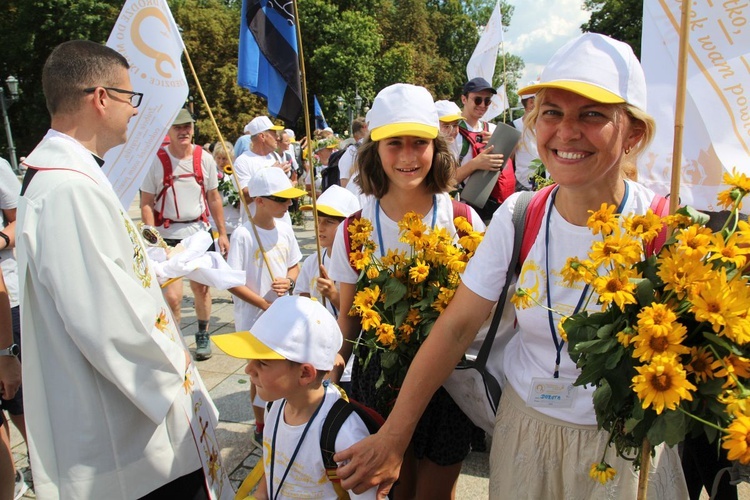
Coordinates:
[101,335]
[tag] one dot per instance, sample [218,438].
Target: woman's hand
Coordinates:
[374,461]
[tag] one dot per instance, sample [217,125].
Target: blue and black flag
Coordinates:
[320,120]
[268,63]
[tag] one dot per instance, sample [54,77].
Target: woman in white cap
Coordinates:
[406,166]
[589,117]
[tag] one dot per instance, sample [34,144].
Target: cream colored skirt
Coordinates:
[537,457]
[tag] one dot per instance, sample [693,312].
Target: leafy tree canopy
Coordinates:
[620,19]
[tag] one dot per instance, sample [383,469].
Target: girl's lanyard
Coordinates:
[559,343]
[377,222]
[323,262]
[296,449]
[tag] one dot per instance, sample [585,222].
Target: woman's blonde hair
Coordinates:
[372,179]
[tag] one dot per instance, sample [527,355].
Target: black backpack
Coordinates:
[332,174]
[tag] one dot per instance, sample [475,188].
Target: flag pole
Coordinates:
[679,112]
[306,108]
[231,164]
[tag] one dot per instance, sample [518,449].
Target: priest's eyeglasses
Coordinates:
[135,97]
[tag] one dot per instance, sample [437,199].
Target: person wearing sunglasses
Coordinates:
[470,145]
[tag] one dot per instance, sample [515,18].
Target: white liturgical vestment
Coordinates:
[107,387]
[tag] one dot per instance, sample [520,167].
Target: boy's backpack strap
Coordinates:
[534,216]
[347,240]
[660,207]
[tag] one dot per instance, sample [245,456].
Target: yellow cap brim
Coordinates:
[244,345]
[290,193]
[276,127]
[324,209]
[584,89]
[450,118]
[401,129]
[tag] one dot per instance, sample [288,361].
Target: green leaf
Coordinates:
[614,358]
[715,339]
[644,291]
[602,396]
[388,359]
[698,217]
[394,292]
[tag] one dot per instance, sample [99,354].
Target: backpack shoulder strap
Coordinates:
[347,240]
[461,209]
[520,213]
[534,215]
[660,207]
[198,173]
[167,178]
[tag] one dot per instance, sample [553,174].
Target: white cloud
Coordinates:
[539,27]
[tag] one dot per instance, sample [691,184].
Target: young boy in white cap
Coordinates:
[290,350]
[258,244]
[450,115]
[334,205]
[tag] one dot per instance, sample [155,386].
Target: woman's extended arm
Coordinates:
[377,459]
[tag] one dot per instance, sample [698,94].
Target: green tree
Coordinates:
[620,19]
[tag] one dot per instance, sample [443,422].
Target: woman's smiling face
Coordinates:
[406,160]
[581,141]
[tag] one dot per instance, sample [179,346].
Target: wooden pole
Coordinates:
[679,112]
[645,467]
[306,108]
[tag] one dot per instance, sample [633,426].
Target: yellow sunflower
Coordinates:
[657,319]
[694,241]
[617,249]
[419,271]
[603,220]
[372,272]
[360,258]
[415,232]
[370,319]
[736,401]
[737,179]
[737,441]
[522,299]
[471,241]
[649,344]
[714,302]
[625,336]
[576,270]
[615,287]
[662,384]
[364,300]
[443,299]
[728,251]
[385,335]
[700,363]
[228,169]
[393,258]
[681,274]
[602,472]
[730,367]
[462,224]
[646,226]
[405,331]
[413,316]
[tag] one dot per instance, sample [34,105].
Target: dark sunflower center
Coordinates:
[662,382]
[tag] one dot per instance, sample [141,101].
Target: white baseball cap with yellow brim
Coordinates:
[597,67]
[295,328]
[403,109]
[448,111]
[336,202]
[272,181]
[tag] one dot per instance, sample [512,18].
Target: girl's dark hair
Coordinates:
[370,175]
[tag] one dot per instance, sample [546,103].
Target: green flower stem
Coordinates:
[731,374]
[704,422]
[539,303]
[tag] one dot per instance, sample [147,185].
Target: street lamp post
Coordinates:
[352,110]
[6,102]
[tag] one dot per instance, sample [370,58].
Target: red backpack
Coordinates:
[168,182]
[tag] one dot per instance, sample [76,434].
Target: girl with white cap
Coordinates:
[406,166]
[589,117]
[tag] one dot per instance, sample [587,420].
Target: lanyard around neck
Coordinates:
[296,449]
[559,343]
[377,222]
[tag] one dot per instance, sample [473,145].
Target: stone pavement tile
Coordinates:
[211,379]
[232,398]
[235,442]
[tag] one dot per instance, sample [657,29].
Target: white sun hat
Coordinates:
[448,111]
[597,67]
[336,202]
[295,328]
[403,109]
[272,181]
[261,124]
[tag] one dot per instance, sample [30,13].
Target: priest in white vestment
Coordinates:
[114,407]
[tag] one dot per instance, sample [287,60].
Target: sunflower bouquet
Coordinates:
[669,352]
[400,294]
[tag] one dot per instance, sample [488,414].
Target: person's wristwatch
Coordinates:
[6,238]
[13,350]
[291,284]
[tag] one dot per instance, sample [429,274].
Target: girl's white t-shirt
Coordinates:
[531,352]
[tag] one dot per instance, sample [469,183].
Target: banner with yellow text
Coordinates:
[147,35]
[717,111]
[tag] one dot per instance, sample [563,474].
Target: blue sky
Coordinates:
[538,28]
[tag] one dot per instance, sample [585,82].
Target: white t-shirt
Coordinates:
[526,152]
[307,281]
[531,352]
[191,201]
[307,477]
[341,270]
[9,191]
[282,252]
[346,162]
